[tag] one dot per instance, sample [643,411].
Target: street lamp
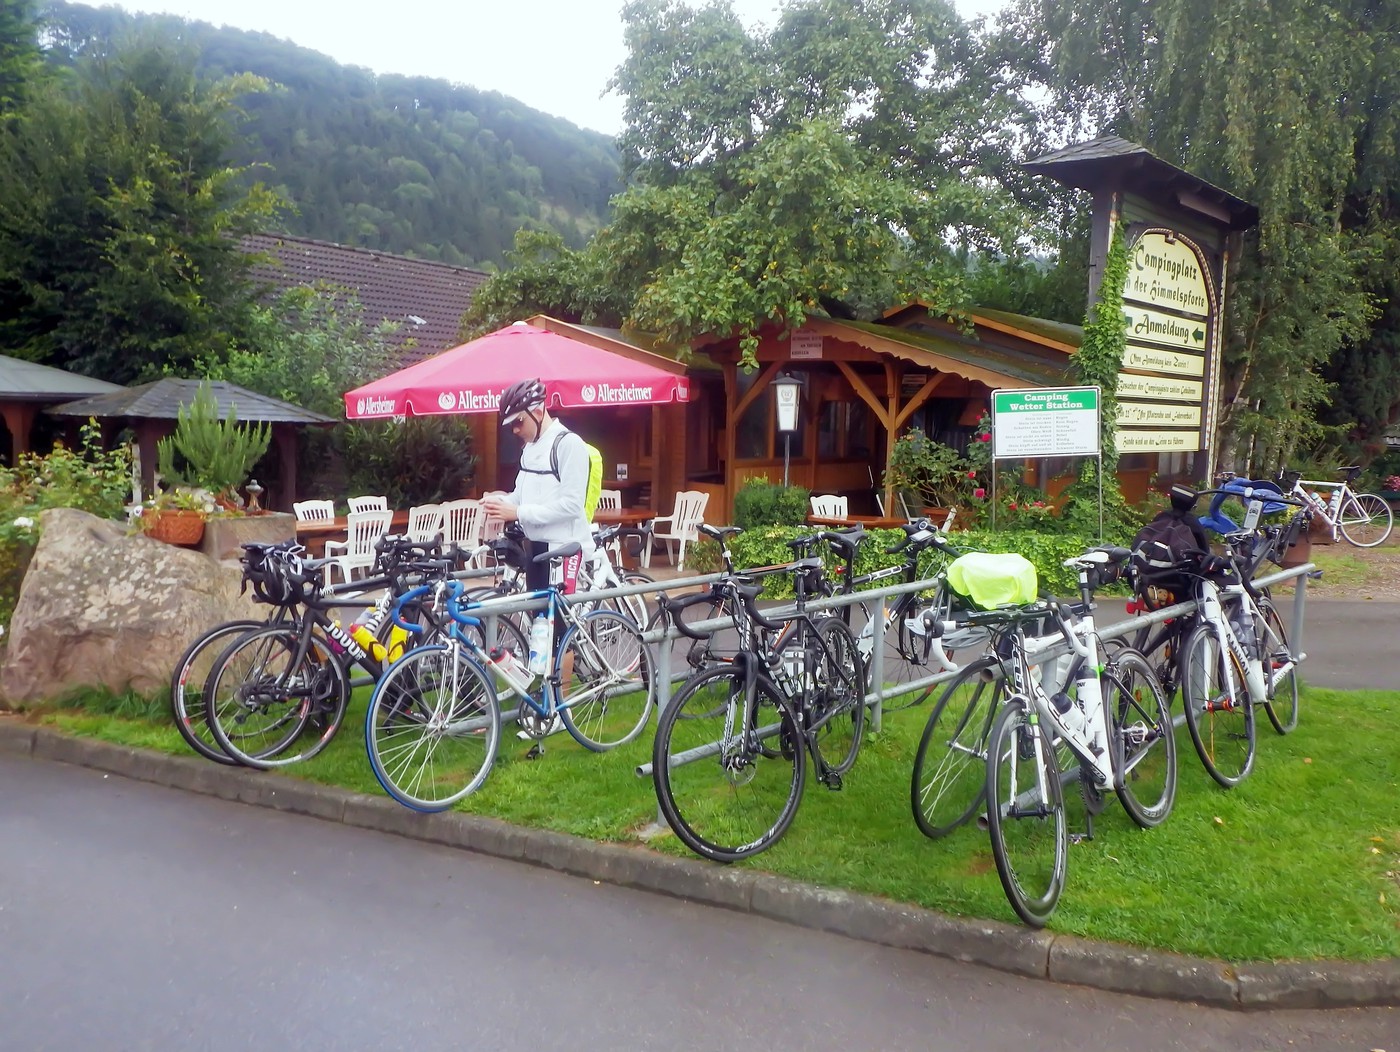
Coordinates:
[788,390]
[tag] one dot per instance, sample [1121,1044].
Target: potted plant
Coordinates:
[936,476]
[177,515]
[209,453]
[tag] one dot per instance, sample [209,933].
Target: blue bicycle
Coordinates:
[434,721]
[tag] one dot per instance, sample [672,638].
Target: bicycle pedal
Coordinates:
[1080,838]
[535,752]
[832,780]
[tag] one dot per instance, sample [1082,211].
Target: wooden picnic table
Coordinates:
[870,522]
[623,516]
[314,535]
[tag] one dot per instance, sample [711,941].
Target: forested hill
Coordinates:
[410,165]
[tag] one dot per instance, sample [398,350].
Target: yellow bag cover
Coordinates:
[994,579]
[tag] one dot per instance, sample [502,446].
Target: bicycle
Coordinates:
[434,718]
[1364,519]
[1236,657]
[729,762]
[274,683]
[1117,726]
[946,785]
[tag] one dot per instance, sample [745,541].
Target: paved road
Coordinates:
[136,917]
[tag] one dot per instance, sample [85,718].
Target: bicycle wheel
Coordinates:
[1281,705]
[838,709]
[1142,737]
[267,710]
[1026,814]
[725,795]
[607,684]
[1365,520]
[1218,713]
[433,727]
[187,687]
[949,780]
[632,606]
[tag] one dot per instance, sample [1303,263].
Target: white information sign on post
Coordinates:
[1045,422]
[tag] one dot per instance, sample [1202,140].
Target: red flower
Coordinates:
[1011,506]
[972,474]
[979,493]
[985,437]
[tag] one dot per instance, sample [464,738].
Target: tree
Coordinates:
[838,164]
[1291,105]
[20,60]
[119,218]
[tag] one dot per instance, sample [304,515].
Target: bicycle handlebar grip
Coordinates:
[401,601]
[751,605]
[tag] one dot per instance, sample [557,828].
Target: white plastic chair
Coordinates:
[830,506]
[314,510]
[362,528]
[462,523]
[684,522]
[368,504]
[610,499]
[425,522]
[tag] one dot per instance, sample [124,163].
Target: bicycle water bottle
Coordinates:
[1090,701]
[509,668]
[1071,715]
[541,643]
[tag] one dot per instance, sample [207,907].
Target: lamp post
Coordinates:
[788,390]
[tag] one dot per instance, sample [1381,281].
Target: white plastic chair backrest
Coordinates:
[368,504]
[689,513]
[425,522]
[493,528]
[610,499]
[462,522]
[314,510]
[363,528]
[829,505]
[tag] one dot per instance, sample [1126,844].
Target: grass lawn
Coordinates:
[1302,860]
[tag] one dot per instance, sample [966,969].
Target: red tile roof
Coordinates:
[425,299]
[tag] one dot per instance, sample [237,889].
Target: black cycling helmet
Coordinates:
[519,398]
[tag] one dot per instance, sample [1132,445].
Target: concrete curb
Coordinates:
[1005,947]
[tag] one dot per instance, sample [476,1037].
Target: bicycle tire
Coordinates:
[1026,814]
[613,686]
[1281,701]
[1221,720]
[1365,520]
[633,606]
[187,682]
[949,778]
[838,713]
[1142,737]
[738,799]
[433,728]
[251,679]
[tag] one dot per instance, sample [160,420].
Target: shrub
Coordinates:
[419,460]
[206,452]
[763,503]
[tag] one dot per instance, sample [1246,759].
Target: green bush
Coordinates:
[763,503]
[767,545]
[419,460]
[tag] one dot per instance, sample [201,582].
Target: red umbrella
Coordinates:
[471,378]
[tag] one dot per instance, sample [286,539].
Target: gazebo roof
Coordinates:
[22,381]
[163,400]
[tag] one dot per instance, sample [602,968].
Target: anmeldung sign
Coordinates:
[1045,422]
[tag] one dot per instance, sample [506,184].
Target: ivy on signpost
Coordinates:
[1098,361]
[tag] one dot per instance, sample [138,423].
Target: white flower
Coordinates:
[24,522]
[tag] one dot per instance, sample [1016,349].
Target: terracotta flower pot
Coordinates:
[179,526]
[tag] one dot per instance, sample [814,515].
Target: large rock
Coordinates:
[101,606]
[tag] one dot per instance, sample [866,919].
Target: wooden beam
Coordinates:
[920,397]
[862,389]
[765,376]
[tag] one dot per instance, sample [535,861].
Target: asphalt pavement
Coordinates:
[134,916]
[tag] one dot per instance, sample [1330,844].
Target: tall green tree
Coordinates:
[119,217]
[843,161]
[20,60]
[1290,104]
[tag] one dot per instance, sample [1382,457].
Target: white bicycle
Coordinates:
[1364,519]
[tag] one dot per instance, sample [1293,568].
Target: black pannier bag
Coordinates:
[1161,549]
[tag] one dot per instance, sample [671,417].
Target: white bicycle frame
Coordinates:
[1259,688]
[1329,510]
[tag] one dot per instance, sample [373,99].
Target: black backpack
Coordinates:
[1163,545]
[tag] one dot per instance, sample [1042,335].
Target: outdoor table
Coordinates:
[634,522]
[870,522]
[314,535]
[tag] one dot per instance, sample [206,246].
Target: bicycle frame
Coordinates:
[1330,510]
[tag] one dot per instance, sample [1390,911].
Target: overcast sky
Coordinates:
[554,55]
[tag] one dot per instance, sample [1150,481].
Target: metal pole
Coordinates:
[787,452]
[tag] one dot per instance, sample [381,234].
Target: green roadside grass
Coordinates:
[1301,861]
